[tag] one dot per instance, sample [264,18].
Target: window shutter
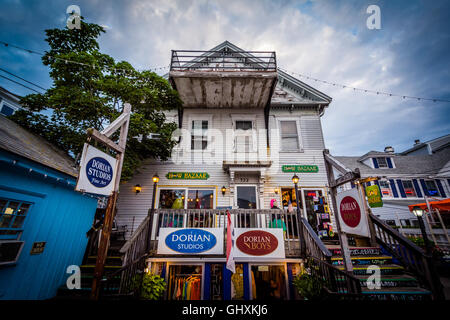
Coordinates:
[424,187]
[352,184]
[394,189]
[389,162]
[400,187]
[376,183]
[441,189]
[416,186]
[375,163]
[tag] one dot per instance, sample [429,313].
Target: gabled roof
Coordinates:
[17,140]
[375,154]
[433,145]
[289,90]
[9,95]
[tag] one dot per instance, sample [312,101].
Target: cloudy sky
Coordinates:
[329,40]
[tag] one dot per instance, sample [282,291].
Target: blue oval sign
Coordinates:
[99,172]
[191,240]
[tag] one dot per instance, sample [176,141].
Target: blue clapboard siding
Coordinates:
[441,189]
[394,189]
[416,186]
[400,187]
[375,163]
[207,282]
[246,282]
[59,216]
[226,274]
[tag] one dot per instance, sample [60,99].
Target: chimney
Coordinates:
[389,149]
[416,142]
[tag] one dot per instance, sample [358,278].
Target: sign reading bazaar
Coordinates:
[300,168]
[187,175]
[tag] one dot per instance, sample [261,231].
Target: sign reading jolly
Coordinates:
[97,172]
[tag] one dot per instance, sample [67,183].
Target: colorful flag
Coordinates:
[230,244]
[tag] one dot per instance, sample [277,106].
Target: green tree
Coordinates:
[91,93]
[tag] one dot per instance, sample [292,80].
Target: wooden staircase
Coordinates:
[113,263]
[396,282]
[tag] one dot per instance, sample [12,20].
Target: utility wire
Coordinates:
[12,74]
[19,83]
[363,90]
[71,61]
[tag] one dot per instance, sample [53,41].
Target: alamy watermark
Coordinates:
[374,20]
[74,20]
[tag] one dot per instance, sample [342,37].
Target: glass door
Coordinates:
[246,197]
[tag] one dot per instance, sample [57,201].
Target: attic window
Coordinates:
[382,162]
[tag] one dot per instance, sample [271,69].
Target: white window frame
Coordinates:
[251,133]
[200,117]
[378,161]
[436,185]
[246,185]
[413,187]
[299,136]
[186,191]
[391,194]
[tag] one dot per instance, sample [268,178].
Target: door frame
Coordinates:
[246,185]
[258,263]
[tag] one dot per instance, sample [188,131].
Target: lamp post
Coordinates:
[295,180]
[418,212]
[155,180]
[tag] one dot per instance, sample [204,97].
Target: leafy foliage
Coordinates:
[92,96]
[309,286]
[151,286]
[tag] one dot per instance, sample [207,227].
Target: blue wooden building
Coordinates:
[43,221]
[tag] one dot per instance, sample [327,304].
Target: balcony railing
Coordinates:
[185,60]
[214,218]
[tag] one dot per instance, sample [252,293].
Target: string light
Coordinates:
[365,90]
[66,61]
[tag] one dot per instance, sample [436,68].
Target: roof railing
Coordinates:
[223,60]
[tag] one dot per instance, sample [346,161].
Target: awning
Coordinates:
[442,205]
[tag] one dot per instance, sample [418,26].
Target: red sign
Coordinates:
[257,243]
[350,211]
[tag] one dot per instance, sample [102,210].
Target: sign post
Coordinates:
[100,174]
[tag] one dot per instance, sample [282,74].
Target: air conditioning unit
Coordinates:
[10,251]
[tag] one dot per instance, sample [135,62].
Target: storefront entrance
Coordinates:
[268,282]
[246,197]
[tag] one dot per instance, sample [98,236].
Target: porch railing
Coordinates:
[223,60]
[413,258]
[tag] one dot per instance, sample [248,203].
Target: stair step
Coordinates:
[363,260]
[396,290]
[356,251]
[391,281]
[384,269]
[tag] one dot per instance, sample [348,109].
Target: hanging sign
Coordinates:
[300,168]
[190,241]
[187,175]
[374,196]
[352,218]
[265,243]
[97,171]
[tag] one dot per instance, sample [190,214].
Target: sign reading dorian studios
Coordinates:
[97,171]
[353,219]
[190,241]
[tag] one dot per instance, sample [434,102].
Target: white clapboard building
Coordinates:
[245,129]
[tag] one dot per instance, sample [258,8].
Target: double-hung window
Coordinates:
[289,138]
[12,216]
[244,136]
[382,162]
[432,189]
[199,134]
[385,188]
[409,189]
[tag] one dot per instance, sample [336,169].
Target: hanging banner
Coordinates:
[374,196]
[97,172]
[353,219]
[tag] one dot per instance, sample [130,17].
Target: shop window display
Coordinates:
[216,288]
[237,283]
[268,282]
[185,282]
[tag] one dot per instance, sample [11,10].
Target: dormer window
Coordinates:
[382,162]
